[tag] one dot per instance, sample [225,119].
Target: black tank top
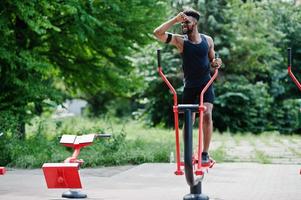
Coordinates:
[195,63]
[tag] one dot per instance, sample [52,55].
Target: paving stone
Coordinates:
[226,181]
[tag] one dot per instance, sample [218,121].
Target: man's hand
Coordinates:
[161,31]
[216,63]
[181,17]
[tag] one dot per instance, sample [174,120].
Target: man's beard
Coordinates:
[187,31]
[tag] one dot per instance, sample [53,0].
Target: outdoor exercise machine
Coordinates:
[2,169]
[193,168]
[66,175]
[289,69]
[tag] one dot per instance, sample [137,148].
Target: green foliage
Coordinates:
[219,154]
[125,27]
[262,157]
[286,19]
[5,155]
[132,143]
[241,106]
[154,96]
[252,51]
[251,38]
[102,51]
[31,152]
[287,117]
[82,48]
[42,144]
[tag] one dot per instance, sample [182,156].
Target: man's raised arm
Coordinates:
[161,31]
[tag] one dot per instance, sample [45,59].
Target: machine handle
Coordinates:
[289,56]
[159,57]
[103,135]
[216,55]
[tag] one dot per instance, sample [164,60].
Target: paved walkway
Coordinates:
[226,181]
[265,148]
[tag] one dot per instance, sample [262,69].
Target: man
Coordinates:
[198,55]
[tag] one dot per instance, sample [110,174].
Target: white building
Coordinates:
[73,107]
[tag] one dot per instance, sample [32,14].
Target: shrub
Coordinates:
[287,116]
[241,106]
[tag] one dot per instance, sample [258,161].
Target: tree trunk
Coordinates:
[20,129]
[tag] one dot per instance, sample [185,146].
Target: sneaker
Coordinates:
[205,159]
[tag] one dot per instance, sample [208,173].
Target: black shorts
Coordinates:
[192,95]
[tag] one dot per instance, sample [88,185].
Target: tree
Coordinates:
[51,48]
[26,74]
[253,87]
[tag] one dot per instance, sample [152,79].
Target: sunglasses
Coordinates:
[186,23]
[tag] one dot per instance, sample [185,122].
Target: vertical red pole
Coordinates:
[178,156]
[293,77]
[289,68]
[76,152]
[73,158]
[2,170]
[201,111]
[176,114]
[202,108]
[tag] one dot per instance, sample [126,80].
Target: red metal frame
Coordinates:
[62,175]
[2,170]
[289,68]
[202,108]
[176,120]
[76,148]
[65,175]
